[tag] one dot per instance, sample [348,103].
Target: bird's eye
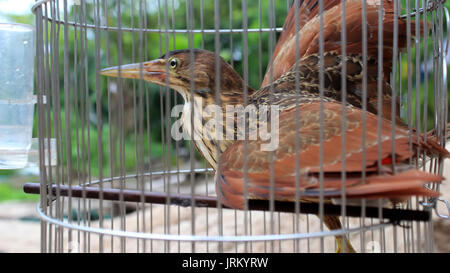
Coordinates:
[173,63]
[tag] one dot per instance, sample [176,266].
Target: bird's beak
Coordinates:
[152,71]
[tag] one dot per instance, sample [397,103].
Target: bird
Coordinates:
[243,169]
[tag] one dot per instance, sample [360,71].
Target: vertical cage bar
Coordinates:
[344,117]
[321,119]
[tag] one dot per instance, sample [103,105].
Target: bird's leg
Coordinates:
[343,243]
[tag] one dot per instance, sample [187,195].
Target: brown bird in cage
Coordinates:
[297,166]
[175,68]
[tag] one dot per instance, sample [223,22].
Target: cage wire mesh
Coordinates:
[123,184]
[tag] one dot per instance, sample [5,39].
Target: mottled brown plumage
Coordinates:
[298,42]
[285,54]
[296,89]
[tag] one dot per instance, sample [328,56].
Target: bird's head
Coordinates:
[186,71]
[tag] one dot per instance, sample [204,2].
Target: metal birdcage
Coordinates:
[121,183]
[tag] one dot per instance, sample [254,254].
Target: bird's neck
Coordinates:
[204,120]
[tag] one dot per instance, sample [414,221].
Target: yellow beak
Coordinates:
[152,71]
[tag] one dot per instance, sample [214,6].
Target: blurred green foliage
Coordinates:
[9,192]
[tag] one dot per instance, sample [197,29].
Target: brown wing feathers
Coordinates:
[408,183]
[306,143]
[309,32]
[307,10]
